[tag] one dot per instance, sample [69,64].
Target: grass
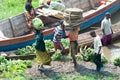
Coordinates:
[9,8]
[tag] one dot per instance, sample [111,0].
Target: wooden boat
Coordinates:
[16,26]
[84,40]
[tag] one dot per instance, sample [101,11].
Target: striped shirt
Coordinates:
[58,34]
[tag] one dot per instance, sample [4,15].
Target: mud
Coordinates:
[67,68]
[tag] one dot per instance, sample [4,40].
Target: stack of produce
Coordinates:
[37,23]
[73,17]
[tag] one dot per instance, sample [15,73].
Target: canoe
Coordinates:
[84,40]
[15,27]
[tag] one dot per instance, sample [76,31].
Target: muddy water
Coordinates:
[113,50]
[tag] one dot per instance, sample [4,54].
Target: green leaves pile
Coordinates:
[57,55]
[88,54]
[49,46]
[13,69]
[104,59]
[117,61]
[65,43]
[27,50]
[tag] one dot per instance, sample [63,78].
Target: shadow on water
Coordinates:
[91,72]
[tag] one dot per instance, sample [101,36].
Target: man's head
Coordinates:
[93,34]
[48,2]
[29,1]
[108,15]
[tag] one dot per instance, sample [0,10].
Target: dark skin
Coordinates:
[94,35]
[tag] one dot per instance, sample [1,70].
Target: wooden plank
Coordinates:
[5,27]
[19,25]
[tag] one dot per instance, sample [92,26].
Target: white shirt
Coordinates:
[97,44]
[106,25]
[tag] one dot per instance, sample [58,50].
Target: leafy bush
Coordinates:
[57,55]
[117,61]
[104,59]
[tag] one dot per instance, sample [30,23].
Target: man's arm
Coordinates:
[103,31]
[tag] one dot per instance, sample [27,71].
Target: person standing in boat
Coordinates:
[43,58]
[58,34]
[106,29]
[97,45]
[30,12]
[73,37]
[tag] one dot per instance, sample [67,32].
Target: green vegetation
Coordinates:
[117,61]
[88,54]
[49,47]
[14,69]
[65,43]
[80,77]
[26,51]
[104,59]
[57,55]
[9,8]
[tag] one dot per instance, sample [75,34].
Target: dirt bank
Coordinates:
[66,68]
